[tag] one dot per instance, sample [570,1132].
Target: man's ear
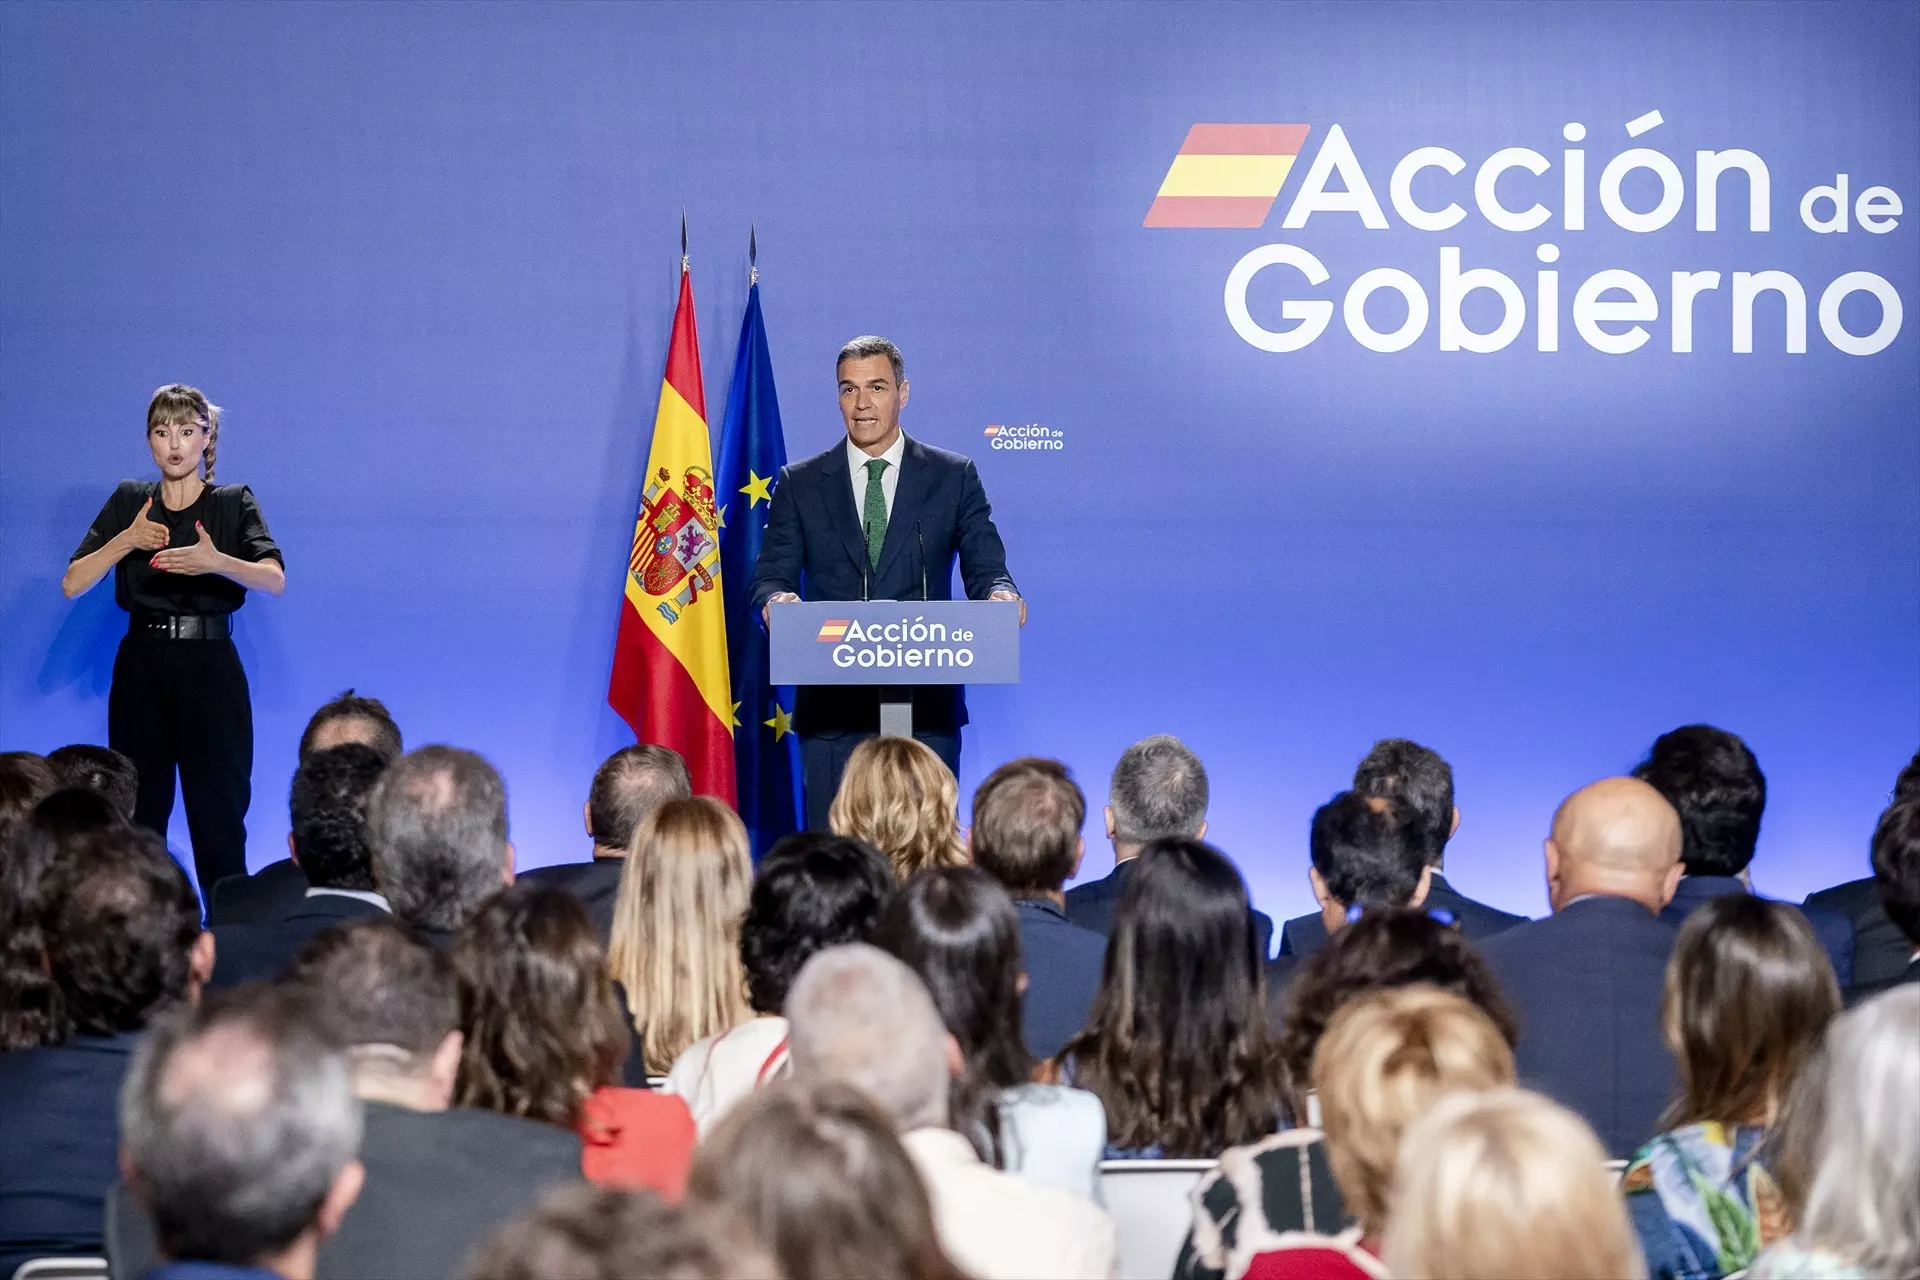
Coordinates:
[293,850]
[340,1197]
[1111,829]
[445,1068]
[1420,890]
[506,871]
[1672,883]
[905,388]
[1454,830]
[1079,853]
[586,818]
[1201,834]
[956,1061]
[1321,894]
[200,958]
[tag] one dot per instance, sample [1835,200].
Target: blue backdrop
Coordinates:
[425,256]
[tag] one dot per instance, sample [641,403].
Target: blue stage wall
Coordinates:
[424,255]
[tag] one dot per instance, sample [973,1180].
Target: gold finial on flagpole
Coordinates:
[753,255]
[684,267]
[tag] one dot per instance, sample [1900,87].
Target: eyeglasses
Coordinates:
[1440,914]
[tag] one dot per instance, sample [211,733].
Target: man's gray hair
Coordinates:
[1159,789]
[437,827]
[236,1118]
[859,1016]
[872,344]
[1866,1157]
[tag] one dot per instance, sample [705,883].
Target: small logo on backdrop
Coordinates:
[1226,175]
[832,630]
[1025,436]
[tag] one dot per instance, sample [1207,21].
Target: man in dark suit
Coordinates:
[439,1178]
[1880,950]
[1158,789]
[1027,816]
[877,516]
[630,784]
[1714,782]
[123,941]
[1587,980]
[328,841]
[1896,872]
[437,829]
[277,888]
[1420,777]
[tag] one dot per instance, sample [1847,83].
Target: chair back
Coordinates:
[1151,1204]
[74,1268]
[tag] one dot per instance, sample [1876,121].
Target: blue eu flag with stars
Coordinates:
[766,754]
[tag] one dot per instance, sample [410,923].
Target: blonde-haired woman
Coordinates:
[1505,1185]
[900,797]
[676,926]
[183,553]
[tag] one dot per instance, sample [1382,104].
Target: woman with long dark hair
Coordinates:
[959,930]
[1177,1046]
[183,552]
[1749,994]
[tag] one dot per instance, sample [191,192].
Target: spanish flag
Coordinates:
[670,660]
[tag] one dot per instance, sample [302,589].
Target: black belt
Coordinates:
[181,626]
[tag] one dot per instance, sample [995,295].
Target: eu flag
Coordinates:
[766,754]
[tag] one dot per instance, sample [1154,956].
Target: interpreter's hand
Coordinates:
[778,597]
[1012,595]
[198,556]
[143,534]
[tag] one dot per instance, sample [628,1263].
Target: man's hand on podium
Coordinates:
[1007,595]
[778,597]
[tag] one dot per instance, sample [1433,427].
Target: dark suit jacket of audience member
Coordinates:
[1868,990]
[438,1183]
[1586,984]
[1834,930]
[1304,935]
[1091,906]
[1281,970]
[59,1145]
[1880,950]
[1063,963]
[595,883]
[245,952]
[266,895]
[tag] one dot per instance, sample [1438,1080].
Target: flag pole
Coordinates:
[753,255]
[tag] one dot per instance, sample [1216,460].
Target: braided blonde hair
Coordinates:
[177,404]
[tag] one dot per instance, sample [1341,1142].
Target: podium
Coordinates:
[894,645]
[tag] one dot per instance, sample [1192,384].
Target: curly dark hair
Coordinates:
[102,769]
[121,919]
[25,780]
[1714,782]
[1177,1045]
[328,808]
[1394,947]
[543,1027]
[32,1011]
[815,890]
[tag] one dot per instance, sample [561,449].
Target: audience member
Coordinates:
[630,784]
[1421,779]
[1365,853]
[31,1013]
[597,1233]
[1158,790]
[544,1039]
[437,828]
[1383,949]
[1714,783]
[277,888]
[957,929]
[1177,1047]
[439,1178]
[862,1017]
[123,940]
[242,1137]
[815,890]
[1881,952]
[1505,1185]
[98,769]
[1850,1168]
[899,796]
[1587,980]
[328,842]
[676,927]
[1748,994]
[25,780]
[1026,834]
[1896,873]
[815,1170]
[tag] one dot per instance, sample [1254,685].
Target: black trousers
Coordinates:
[183,704]
[823,759]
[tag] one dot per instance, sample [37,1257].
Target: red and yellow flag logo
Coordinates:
[670,661]
[833,630]
[1227,175]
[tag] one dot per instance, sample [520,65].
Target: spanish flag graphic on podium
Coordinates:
[670,661]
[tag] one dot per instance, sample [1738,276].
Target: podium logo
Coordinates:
[832,630]
[1227,175]
[910,642]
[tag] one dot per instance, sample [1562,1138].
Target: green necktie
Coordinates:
[873,513]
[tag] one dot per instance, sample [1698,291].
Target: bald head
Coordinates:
[1617,836]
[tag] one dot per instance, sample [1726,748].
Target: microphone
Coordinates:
[921,544]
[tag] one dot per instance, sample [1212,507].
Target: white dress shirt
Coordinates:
[999,1226]
[857,460]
